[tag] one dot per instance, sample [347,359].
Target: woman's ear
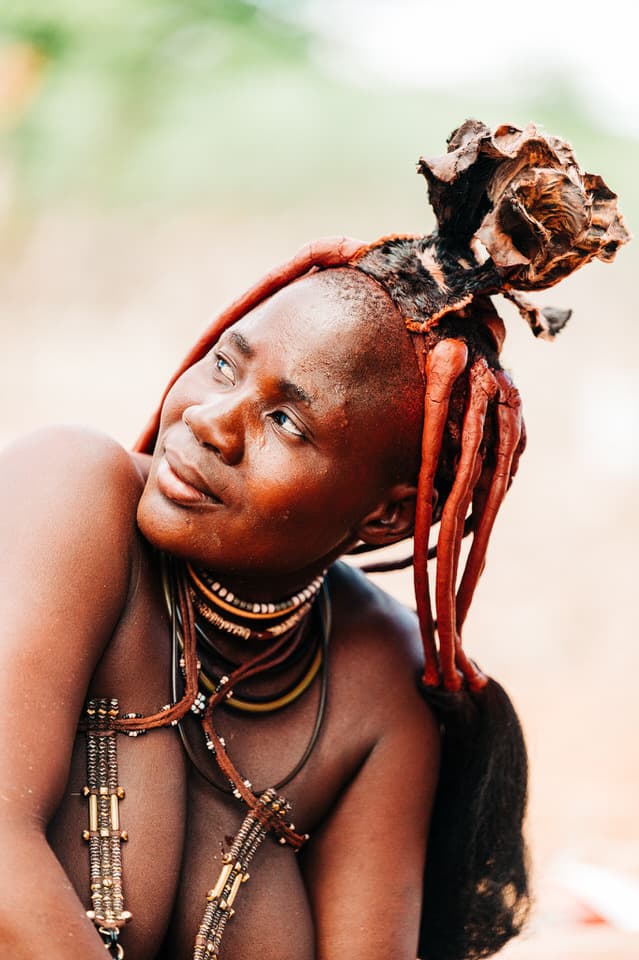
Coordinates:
[393,520]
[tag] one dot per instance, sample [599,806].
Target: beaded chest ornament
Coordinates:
[268,811]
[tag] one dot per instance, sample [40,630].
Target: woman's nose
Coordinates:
[219,427]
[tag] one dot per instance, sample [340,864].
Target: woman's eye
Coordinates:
[284,421]
[224,368]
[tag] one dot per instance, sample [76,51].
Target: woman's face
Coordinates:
[274,446]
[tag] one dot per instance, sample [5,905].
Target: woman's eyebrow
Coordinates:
[242,344]
[291,391]
[288,389]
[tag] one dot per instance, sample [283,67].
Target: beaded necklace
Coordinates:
[213,590]
[300,649]
[267,812]
[208,594]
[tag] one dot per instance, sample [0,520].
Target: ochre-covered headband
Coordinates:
[514,212]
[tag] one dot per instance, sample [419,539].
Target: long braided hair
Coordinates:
[514,213]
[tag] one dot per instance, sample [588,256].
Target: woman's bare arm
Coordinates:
[67,528]
[364,868]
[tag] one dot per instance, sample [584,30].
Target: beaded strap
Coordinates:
[221,596]
[246,633]
[220,899]
[104,835]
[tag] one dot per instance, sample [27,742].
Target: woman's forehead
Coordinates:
[308,327]
[310,304]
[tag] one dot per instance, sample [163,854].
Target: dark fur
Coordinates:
[396,264]
[475,886]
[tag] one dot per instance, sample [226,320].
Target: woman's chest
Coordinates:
[258,883]
[180,830]
[180,826]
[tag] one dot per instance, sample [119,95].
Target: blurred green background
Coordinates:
[157,156]
[226,102]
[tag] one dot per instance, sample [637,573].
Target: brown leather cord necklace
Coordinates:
[305,647]
[322,611]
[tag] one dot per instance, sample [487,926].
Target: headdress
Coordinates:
[514,213]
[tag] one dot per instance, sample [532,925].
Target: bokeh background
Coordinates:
[157,156]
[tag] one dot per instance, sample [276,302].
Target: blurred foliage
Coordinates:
[121,86]
[194,101]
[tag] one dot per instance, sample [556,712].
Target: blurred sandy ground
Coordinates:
[97,310]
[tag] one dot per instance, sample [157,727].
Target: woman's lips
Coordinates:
[178,490]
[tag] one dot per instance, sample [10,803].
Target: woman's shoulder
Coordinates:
[80,458]
[373,615]
[379,647]
[75,491]
[69,556]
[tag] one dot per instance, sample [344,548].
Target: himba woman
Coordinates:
[204,713]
